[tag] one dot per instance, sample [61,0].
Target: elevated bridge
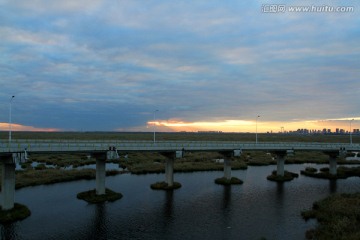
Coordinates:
[47,146]
[102,150]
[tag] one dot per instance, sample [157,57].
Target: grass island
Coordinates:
[342,172]
[338,217]
[19,212]
[91,196]
[226,181]
[288,176]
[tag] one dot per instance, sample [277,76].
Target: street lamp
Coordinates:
[351,132]
[154,123]
[12,97]
[256,138]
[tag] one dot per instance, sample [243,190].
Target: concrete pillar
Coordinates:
[227,161]
[8,184]
[280,166]
[332,161]
[169,165]
[100,172]
[280,163]
[227,169]
[100,176]
[332,165]
[169,171]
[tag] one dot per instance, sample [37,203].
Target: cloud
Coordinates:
[101,64]
[19,127]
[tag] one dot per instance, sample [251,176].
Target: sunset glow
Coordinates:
[18,127]
[250,126]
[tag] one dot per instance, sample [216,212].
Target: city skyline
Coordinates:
[204,65]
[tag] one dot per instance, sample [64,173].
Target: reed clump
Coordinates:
[338,217]
[50,176]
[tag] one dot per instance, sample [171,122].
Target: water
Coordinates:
[198,210]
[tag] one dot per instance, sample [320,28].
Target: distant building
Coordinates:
[209,131]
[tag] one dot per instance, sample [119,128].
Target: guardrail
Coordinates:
[36,145]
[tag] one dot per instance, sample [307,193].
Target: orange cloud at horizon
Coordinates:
[18,127]
[250,126]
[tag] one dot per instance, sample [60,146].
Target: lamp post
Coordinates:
[256,138]
[12,97]
[351,132]
[154,123]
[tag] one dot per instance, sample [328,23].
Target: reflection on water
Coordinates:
[332,184]
[200,209]
[168,206]
[9,231]
[227,197]
[97,223]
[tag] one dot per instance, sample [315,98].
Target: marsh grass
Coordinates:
[18,212]
[338,217]
[142,163]
[50,176]
[62,160]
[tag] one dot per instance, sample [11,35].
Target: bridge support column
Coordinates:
[227,162]
[227,169]
[169,166]
[100,172]
[169,182]
[332,162]
[100,193]
[280,163]
[227,179]
[169,172]
[7,183]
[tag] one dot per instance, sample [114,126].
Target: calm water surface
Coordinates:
[199,210]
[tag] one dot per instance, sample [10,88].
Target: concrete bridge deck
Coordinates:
[34,145]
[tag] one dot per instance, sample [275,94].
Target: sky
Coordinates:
[196,65]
